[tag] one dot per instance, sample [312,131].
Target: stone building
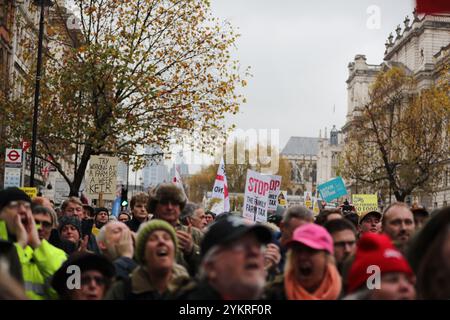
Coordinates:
[422,48]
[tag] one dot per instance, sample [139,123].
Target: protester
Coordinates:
[429,255]
[398,224]
[72,207]
[193,215]
[96,276]
[344,239]
[157,274]
[166,203]
[369,222]
[100,219]
[353,217]
[124,217]
[44,221]
[210,217]
[232,266]
[115,241]
[376,253]
[421,216]
[70,235]
[38,258]
[310,272]
[138,205]
[293,218]
[88,212]
[328,215]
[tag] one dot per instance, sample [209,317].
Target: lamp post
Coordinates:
[42,4]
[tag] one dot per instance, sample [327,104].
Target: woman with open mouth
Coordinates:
[310,271]
[157,274]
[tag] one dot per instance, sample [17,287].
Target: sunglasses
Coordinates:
[44,224]
[85,280]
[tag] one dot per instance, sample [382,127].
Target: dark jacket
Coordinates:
[196,290]
[139,287]
[124,266]
[275,289]
[8,251]
[134,224]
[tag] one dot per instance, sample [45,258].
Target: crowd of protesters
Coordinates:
[168,248]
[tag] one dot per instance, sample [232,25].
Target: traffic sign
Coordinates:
[13,156]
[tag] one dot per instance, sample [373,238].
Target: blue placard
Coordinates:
[116,207]
[332,189]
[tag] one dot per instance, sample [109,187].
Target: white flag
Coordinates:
[177,179]
[220,189]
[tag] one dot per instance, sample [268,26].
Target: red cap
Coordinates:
[378,250]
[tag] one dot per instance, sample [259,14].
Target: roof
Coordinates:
[301,146]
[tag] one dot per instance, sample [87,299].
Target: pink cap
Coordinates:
[313,236]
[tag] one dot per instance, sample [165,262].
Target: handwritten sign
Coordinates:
[102,177]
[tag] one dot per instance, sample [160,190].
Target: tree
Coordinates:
[400,138]
[236,175]
[137,73]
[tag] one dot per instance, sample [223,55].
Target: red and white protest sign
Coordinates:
[256,198]
[220,189]
[274,190]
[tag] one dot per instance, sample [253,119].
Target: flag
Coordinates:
[177,178]
[220,189]
[433,6]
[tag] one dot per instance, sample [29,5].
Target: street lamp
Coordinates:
[42,4]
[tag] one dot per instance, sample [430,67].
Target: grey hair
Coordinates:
[101,237]
[189,209]
[298,212]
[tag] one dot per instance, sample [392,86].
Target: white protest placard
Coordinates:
[102,177]
[256,198]
[274,190]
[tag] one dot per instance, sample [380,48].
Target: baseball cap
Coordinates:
[372,213]
[314,236]
[231,228]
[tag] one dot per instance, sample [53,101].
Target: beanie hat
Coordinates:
[98,210]
[12,194]
[74,221]
[144,232]
[375,249]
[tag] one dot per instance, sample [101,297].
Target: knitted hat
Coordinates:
[144,232]
[378,250]
[12,194]
[74,221]
[98,210]
[86,261]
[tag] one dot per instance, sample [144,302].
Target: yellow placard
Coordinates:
[31,192]
[282,198]
[365,203]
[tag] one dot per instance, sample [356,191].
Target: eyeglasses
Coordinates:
[247,247]
[99,280]
[17,204]
[44,224]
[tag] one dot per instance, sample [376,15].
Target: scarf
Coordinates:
[329,289]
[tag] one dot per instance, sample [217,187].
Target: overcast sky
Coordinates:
[298,51]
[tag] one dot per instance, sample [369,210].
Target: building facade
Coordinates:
[421,47]
[329,155]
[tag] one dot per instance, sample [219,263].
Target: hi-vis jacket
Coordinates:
[38,265]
